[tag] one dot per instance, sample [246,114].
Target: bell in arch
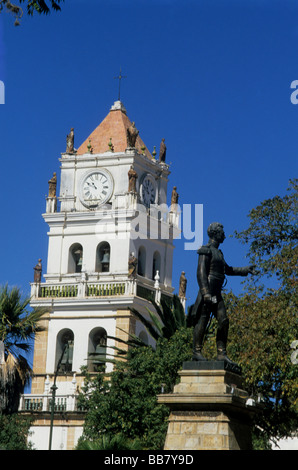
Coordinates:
[105,261]
[78,260]
[106,256]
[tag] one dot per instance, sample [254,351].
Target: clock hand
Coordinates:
[92,184]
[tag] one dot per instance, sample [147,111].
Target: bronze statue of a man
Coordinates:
[211,272]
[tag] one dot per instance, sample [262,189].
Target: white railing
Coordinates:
[33,402]
[141,287]
[80,289]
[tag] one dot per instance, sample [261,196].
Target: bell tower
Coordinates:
[110,248]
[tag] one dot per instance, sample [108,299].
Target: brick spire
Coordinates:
[113,127]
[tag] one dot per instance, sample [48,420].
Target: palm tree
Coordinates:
[108,442]
[18,326]
[166,320]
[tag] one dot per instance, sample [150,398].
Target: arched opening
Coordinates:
[75,260]
[142,261]
[103,254]
[144,337]
[156,263]
[64,350]
[97,347]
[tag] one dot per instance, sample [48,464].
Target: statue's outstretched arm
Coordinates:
[232,271]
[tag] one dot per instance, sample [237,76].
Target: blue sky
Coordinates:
[211,77]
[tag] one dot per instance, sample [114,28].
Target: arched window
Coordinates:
[97,349]
[64,350]
[156,264]
[144,337]
[75,261]
[103,254]
[142,261]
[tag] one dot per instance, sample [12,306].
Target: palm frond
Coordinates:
[148,325]
[18,327]
[133,340]
[179,311]
[166,320]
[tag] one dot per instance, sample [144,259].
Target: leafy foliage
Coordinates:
[42,6]
[110,442]
[38,6]
[272,238]
[18,326]
[264,321]
[14,431]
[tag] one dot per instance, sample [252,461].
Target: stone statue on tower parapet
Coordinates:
[162,151]
[70,142]
[53,185]
[182,286]
[132,179]
[132,266]
[131,135]
[38,272]
[51,198]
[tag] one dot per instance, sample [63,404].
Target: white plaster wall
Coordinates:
[41,434]
[287,444]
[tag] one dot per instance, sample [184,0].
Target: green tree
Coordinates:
[262,330]
[14,432]
[272,240]
[18,327]
[38,6]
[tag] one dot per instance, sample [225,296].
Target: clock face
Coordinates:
[96,188]
[148,191]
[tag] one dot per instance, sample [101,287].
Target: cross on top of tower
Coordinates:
[119,77]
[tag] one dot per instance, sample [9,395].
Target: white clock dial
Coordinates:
[96,188]
[148,191]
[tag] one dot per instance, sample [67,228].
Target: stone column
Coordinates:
[209,410]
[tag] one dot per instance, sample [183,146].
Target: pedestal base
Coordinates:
[209,409]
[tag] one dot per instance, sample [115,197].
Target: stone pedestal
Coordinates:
[209,409]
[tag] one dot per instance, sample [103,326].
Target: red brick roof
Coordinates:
[113,127]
